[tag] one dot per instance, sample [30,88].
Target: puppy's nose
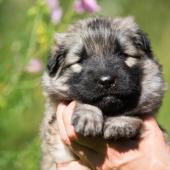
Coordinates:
[106,80]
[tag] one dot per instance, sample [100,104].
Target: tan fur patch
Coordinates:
[76,68]
[130,61]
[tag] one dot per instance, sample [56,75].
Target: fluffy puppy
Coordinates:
[108,67]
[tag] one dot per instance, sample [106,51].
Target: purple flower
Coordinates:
[78,6]
[55,11]
[52,4]
[56,16]
[34,66]
[90,6]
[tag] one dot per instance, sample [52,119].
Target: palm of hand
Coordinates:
[150,152]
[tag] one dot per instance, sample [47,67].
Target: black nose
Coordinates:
[106,80]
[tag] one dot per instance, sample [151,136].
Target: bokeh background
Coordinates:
[26,31]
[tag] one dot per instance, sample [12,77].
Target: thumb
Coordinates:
[151,127]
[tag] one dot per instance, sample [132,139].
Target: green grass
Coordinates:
[25,33]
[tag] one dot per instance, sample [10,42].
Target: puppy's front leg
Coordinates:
[87,120]
[53,149]
[122,127]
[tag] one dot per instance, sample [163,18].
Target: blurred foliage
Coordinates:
[26,32]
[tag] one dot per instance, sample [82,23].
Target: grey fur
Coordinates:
[122,126]
[88,120]
[98,36]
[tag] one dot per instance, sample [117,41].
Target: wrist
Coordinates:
[76,165]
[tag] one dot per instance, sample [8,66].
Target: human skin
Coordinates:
[149,152]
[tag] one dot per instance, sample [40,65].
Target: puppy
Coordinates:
[108,67]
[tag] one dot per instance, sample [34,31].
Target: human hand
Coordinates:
[150,152]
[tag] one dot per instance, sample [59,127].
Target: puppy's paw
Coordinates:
[122,127]
[87,120]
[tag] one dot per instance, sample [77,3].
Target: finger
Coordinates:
[150,124]
[86,155]
[96,144]
[62,131]
[67,121]
[151,129]
[76,165]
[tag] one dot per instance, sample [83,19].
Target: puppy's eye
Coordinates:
[125,56]
[80,61]
[122,55]
[128,59]
[82,58]
[82,55]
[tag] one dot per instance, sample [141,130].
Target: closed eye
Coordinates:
[80,61]
[122,55]
[128,59]
[73,63]
[125,55]
[82,55]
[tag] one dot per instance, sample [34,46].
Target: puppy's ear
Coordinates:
[143,43]
[59,38]
[56,59]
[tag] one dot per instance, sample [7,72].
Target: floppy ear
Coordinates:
[143,43]
[56,59]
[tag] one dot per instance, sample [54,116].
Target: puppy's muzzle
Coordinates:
[106,81]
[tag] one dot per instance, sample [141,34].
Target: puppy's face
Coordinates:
[107,79]
[108,63]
